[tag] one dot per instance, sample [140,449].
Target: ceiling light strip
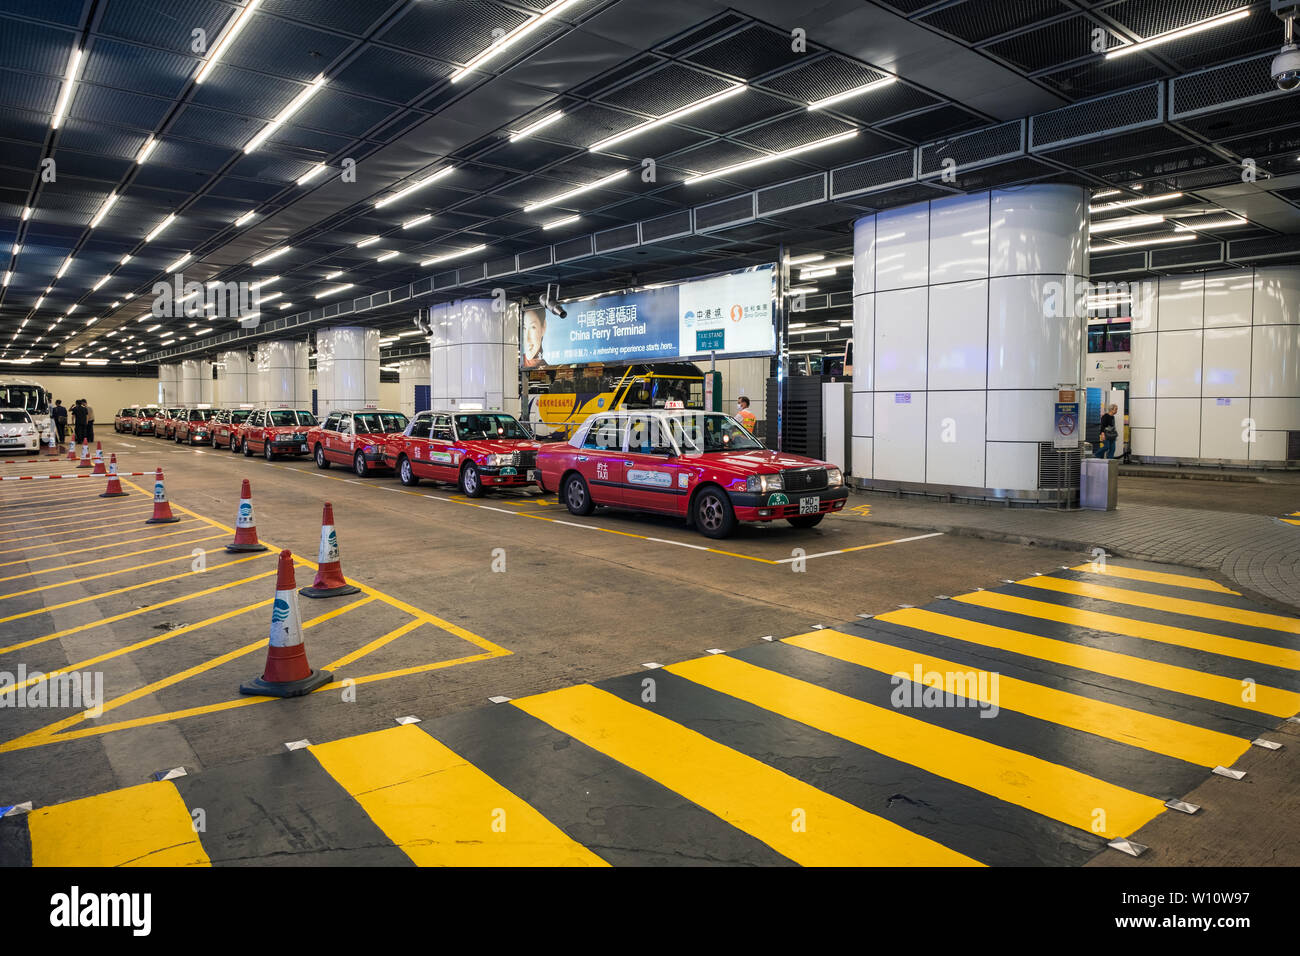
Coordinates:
[668,117]
[380,204]
[1218,21]
[69,81]
[1136,243]
[540,124]
[784,154]
[298,103]
[849,94]
[1126,203]
[560,197]
[238,23]
[453,255]
[511,38]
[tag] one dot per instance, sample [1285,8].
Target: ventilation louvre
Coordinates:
[671,226]
[725,213]
[1223,87]
[620,237]
[535,258]
[1196,254]
[502,266]
[570,249]
[972,150]
[1102,116]
[882,172]
[792,195]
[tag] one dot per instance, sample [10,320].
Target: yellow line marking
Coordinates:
[1181,680]
[132,587]
[440,809]
[75,523]
[751,796]
[1289,521]
[1156,577]
[106,574]
[98,547]
[1157,602]
[123,616]
[374,645]
[1209,748]
[148,825]
[115,557]
[73,538]
[106,505]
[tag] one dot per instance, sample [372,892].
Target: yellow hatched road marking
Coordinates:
[1172,605]
[116,557]
[98,547]
[106,574]
[79,522]
[131,587]
[106,505]
[1050,789]
[440,809]
[745,792]
[1209,748]
[1292,521]
[1155,577]
[1163,633]
[71,537]
[148,825]
[1181,680]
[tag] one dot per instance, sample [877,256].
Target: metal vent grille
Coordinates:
[728,212]
[892,169]
[445,280]
[620,237]
[666,227]
[1265,248]
[979,148]
[1103,116]
[500,267]
[1293,446]
[535,258]
[573,249]
[713,28]
[791,195]
[469,274]
[1117,263]
[1220,87]
[1197,254]
[1057,469]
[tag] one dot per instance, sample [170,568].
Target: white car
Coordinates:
[17,431]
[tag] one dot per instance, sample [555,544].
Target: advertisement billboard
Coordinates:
[730,314]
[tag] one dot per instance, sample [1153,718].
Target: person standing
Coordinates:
[1109,433]
[79,414]
[90,422]
[747,418]
[59,415]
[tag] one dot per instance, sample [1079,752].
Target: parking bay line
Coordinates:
[107,574]
[113,557]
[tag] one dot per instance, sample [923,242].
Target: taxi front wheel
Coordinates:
[321,461]
[359,465]
[714,515]
[471,482]
[405,473]
[248,449]
[577,497]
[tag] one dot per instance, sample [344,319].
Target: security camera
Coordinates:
[551,304]
[422,322]
[1286,65]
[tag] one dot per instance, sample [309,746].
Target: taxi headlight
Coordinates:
[496,461]
[834,477]
[764,483]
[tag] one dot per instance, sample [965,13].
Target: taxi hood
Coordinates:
[502,446]
[757,461]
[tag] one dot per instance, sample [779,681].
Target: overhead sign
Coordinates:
[731,315]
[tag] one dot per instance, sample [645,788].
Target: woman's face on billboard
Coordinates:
[534,329]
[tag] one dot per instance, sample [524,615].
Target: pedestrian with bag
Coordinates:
[90,421]
[59,415]
[1109,432]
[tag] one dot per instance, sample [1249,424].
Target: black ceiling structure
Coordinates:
[967,95]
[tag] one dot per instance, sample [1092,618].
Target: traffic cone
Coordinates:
[162,510]
[329,573]
[113,488]
[287,672]
[72,450]
[99,459]
[52,447]
[85,455]
[245,526]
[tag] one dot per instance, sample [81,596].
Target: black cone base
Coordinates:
[260,688]
[329,592]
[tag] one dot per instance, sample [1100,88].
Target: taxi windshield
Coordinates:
[379,423]
[200,414]
[712,432]
[489,426]
[147,413]
[282,416]
[13,417]
[239,414]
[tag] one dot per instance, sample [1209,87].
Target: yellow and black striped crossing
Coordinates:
[1292,518]
[1029,724]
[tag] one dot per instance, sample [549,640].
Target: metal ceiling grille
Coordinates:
[973,149]
[1105,116]
[872,174]
[728,212]
[791,195]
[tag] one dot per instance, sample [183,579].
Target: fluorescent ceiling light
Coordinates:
[366,242]
[325,293]
[63,268]
[1227,223]
[667,118]
[8,276]
[453,255]
[72,308]
[92,321]
[285,305]
[268,298]
[1125,222]
[513,37]
[298,103]
[410,223]
[795,290]
[129,295]
[123,261]
[159,228]
[68,83]
[413,187]
[245,218]
[311,174]
[145,150]
[1177,34]
[103,210]
[800,260]
[816,328]
[269,256]
[402,335]
[259,284]
[334,275]
[560,222]
[817,273]
[1104,193]
[179,262]
[784,154]
[1125,203]
[386,255]
[38,304]
[238,23]
[1159,241]
[27,213]
[96,286]
[530,130]
[560,197]
[153,327]
[849,94]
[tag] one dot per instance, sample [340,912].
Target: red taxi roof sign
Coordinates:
[678,404]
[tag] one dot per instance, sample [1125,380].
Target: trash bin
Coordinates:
[1098,483]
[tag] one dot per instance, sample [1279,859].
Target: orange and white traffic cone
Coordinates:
[113,487]
[162,509]
[245,526]
[99,459]
[52,446]
[72,450]
[287,672]
[329,571]
[85,455]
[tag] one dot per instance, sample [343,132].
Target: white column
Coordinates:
[964,325]
[347,368]
[236,378]
[282,374]
[1216,368]
[410,373]
[474,355]
[169,384]
[191,382]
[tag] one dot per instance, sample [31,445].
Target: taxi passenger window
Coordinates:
[442,428]
[605,433]
[421,428]
[331,424]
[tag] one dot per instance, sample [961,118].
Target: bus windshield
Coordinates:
[712,432]
[489,426]
[653,391]
[33,398]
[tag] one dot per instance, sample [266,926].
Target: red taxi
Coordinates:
[123,419]
[276,431]
[225,426]
[357,439]
[142,422]
[165,424]
[475,450]
[702,466]
[191,426]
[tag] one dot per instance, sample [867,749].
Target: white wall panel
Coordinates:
[1178,428]
[903,248]
[1011,465]
[862,461]
[1277,295]
[1275,362]
[1182,303]
[1275,413]
[959,238]
[955,447]
[1038,230]
[1142,412]
[864,418]
[1142,382]
[899,441]
[958,338]
[1268,446]
[864,341]
[1145,305]
[1021,415]
[1144,441]
[901,334]
[1221,431]
[1228,300]
[1226,362]
[1178,364]
[1027,348]
[864,256]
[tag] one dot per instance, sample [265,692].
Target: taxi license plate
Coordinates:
[508,472]
[810,506]
[304,446]
[534,474]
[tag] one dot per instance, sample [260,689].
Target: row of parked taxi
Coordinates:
[702,466]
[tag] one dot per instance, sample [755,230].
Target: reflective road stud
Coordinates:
[113,488]
[287,672]
[245,525]
[329,572]
[162,510]
[99,459]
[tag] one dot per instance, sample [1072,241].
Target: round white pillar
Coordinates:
[474,355]
[410,373]
[347,368]
[282,374]
[236,378]
[191,378]
[169,385]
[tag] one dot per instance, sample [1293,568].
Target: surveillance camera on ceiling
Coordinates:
[551,302]
[422,322]
[1286,65]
